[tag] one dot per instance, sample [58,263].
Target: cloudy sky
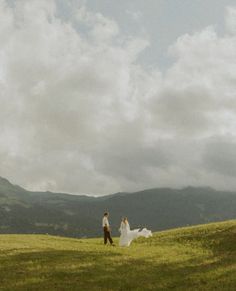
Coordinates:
[103,96]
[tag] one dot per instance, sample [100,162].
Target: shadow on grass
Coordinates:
[101,270]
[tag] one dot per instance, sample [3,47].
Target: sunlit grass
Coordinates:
[194,258]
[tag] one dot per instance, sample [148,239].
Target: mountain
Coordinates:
[193,258]
[23,211]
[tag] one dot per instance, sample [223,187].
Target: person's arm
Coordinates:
[122,226]
[106,223]
[127,226]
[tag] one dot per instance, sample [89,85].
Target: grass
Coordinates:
[193,258]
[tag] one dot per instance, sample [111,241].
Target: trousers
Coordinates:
[107,235]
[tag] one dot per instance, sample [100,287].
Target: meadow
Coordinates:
[195,258]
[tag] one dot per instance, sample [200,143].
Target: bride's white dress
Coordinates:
[128,235]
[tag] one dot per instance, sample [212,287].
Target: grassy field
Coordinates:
[194,258]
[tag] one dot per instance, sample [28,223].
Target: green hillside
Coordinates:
[194,258]
[26,212]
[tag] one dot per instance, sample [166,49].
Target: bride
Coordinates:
[128,235]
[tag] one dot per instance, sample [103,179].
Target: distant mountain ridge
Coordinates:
[23,211]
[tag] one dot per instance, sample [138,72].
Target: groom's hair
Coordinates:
[106,213]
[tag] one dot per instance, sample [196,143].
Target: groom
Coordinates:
[106,229]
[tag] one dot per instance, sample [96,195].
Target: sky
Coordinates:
[98,97]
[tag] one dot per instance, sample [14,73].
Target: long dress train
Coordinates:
[127,235]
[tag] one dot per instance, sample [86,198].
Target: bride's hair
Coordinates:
[124,219]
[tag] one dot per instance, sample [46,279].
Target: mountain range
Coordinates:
[24,212]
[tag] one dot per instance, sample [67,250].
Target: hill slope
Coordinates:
[22,211]
[194,258]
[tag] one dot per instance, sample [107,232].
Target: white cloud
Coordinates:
[101,28]
[231,19]
[80,114]
[135,15]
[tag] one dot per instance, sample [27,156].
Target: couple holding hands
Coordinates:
[126,234]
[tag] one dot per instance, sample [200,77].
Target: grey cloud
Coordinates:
[220,156]
[182,111]
[80,114]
